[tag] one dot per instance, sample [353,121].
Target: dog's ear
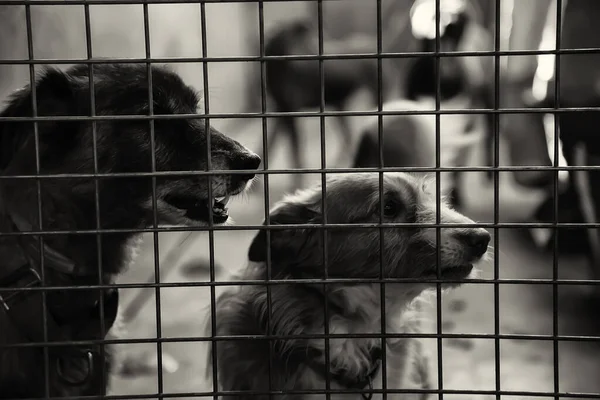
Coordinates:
[287,243]
[55,95]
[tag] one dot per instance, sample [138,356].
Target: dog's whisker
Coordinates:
[245,196]
[255,180]
[229,222]
[185,239]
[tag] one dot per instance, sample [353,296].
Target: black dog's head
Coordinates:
[117,145]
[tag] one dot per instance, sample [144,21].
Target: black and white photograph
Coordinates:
[299,199]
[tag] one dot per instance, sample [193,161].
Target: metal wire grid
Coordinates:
[379,55]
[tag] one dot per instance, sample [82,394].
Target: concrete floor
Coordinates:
[467,364]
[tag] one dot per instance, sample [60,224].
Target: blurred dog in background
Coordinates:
[410,140]
[296,85]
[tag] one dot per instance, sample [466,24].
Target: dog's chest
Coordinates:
[401,374]
[406,365]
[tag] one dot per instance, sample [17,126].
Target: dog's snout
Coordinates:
[247,161]
[477,240]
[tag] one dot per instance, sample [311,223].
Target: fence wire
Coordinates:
[324,228]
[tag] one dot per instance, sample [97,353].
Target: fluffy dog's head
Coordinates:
[355,252]
[115,145]
[352,252]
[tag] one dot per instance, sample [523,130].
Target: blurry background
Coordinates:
[233,30]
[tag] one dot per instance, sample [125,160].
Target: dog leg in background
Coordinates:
[289,123]
[346,134]
[271,135]
[584,185]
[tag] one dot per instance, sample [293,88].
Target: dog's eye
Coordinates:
[390,209]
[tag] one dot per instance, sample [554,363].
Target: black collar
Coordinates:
[76,366]
[54,259]
[358,382]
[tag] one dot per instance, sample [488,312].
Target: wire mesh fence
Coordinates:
[345,292]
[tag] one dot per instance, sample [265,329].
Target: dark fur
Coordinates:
[422,77]
[124,203]
[297,309]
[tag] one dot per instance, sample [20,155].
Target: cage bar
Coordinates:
[554,338]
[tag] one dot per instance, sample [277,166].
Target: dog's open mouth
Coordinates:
[452,273]
[199,209]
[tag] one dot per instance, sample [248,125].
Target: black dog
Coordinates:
[70,204]
[295,85]
[422,77]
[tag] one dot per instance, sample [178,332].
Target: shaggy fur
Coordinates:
[354,308]
[67,204]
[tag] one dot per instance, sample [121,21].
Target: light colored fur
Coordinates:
[459,134]
[408,253]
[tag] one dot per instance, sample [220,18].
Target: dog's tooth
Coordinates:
[226,200]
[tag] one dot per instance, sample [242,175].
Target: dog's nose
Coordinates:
[477,240]
[247,161]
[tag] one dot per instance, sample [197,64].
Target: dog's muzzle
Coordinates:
[199,209]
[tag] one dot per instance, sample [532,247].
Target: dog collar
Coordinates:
[358,382]
[75,366]
[55,260]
